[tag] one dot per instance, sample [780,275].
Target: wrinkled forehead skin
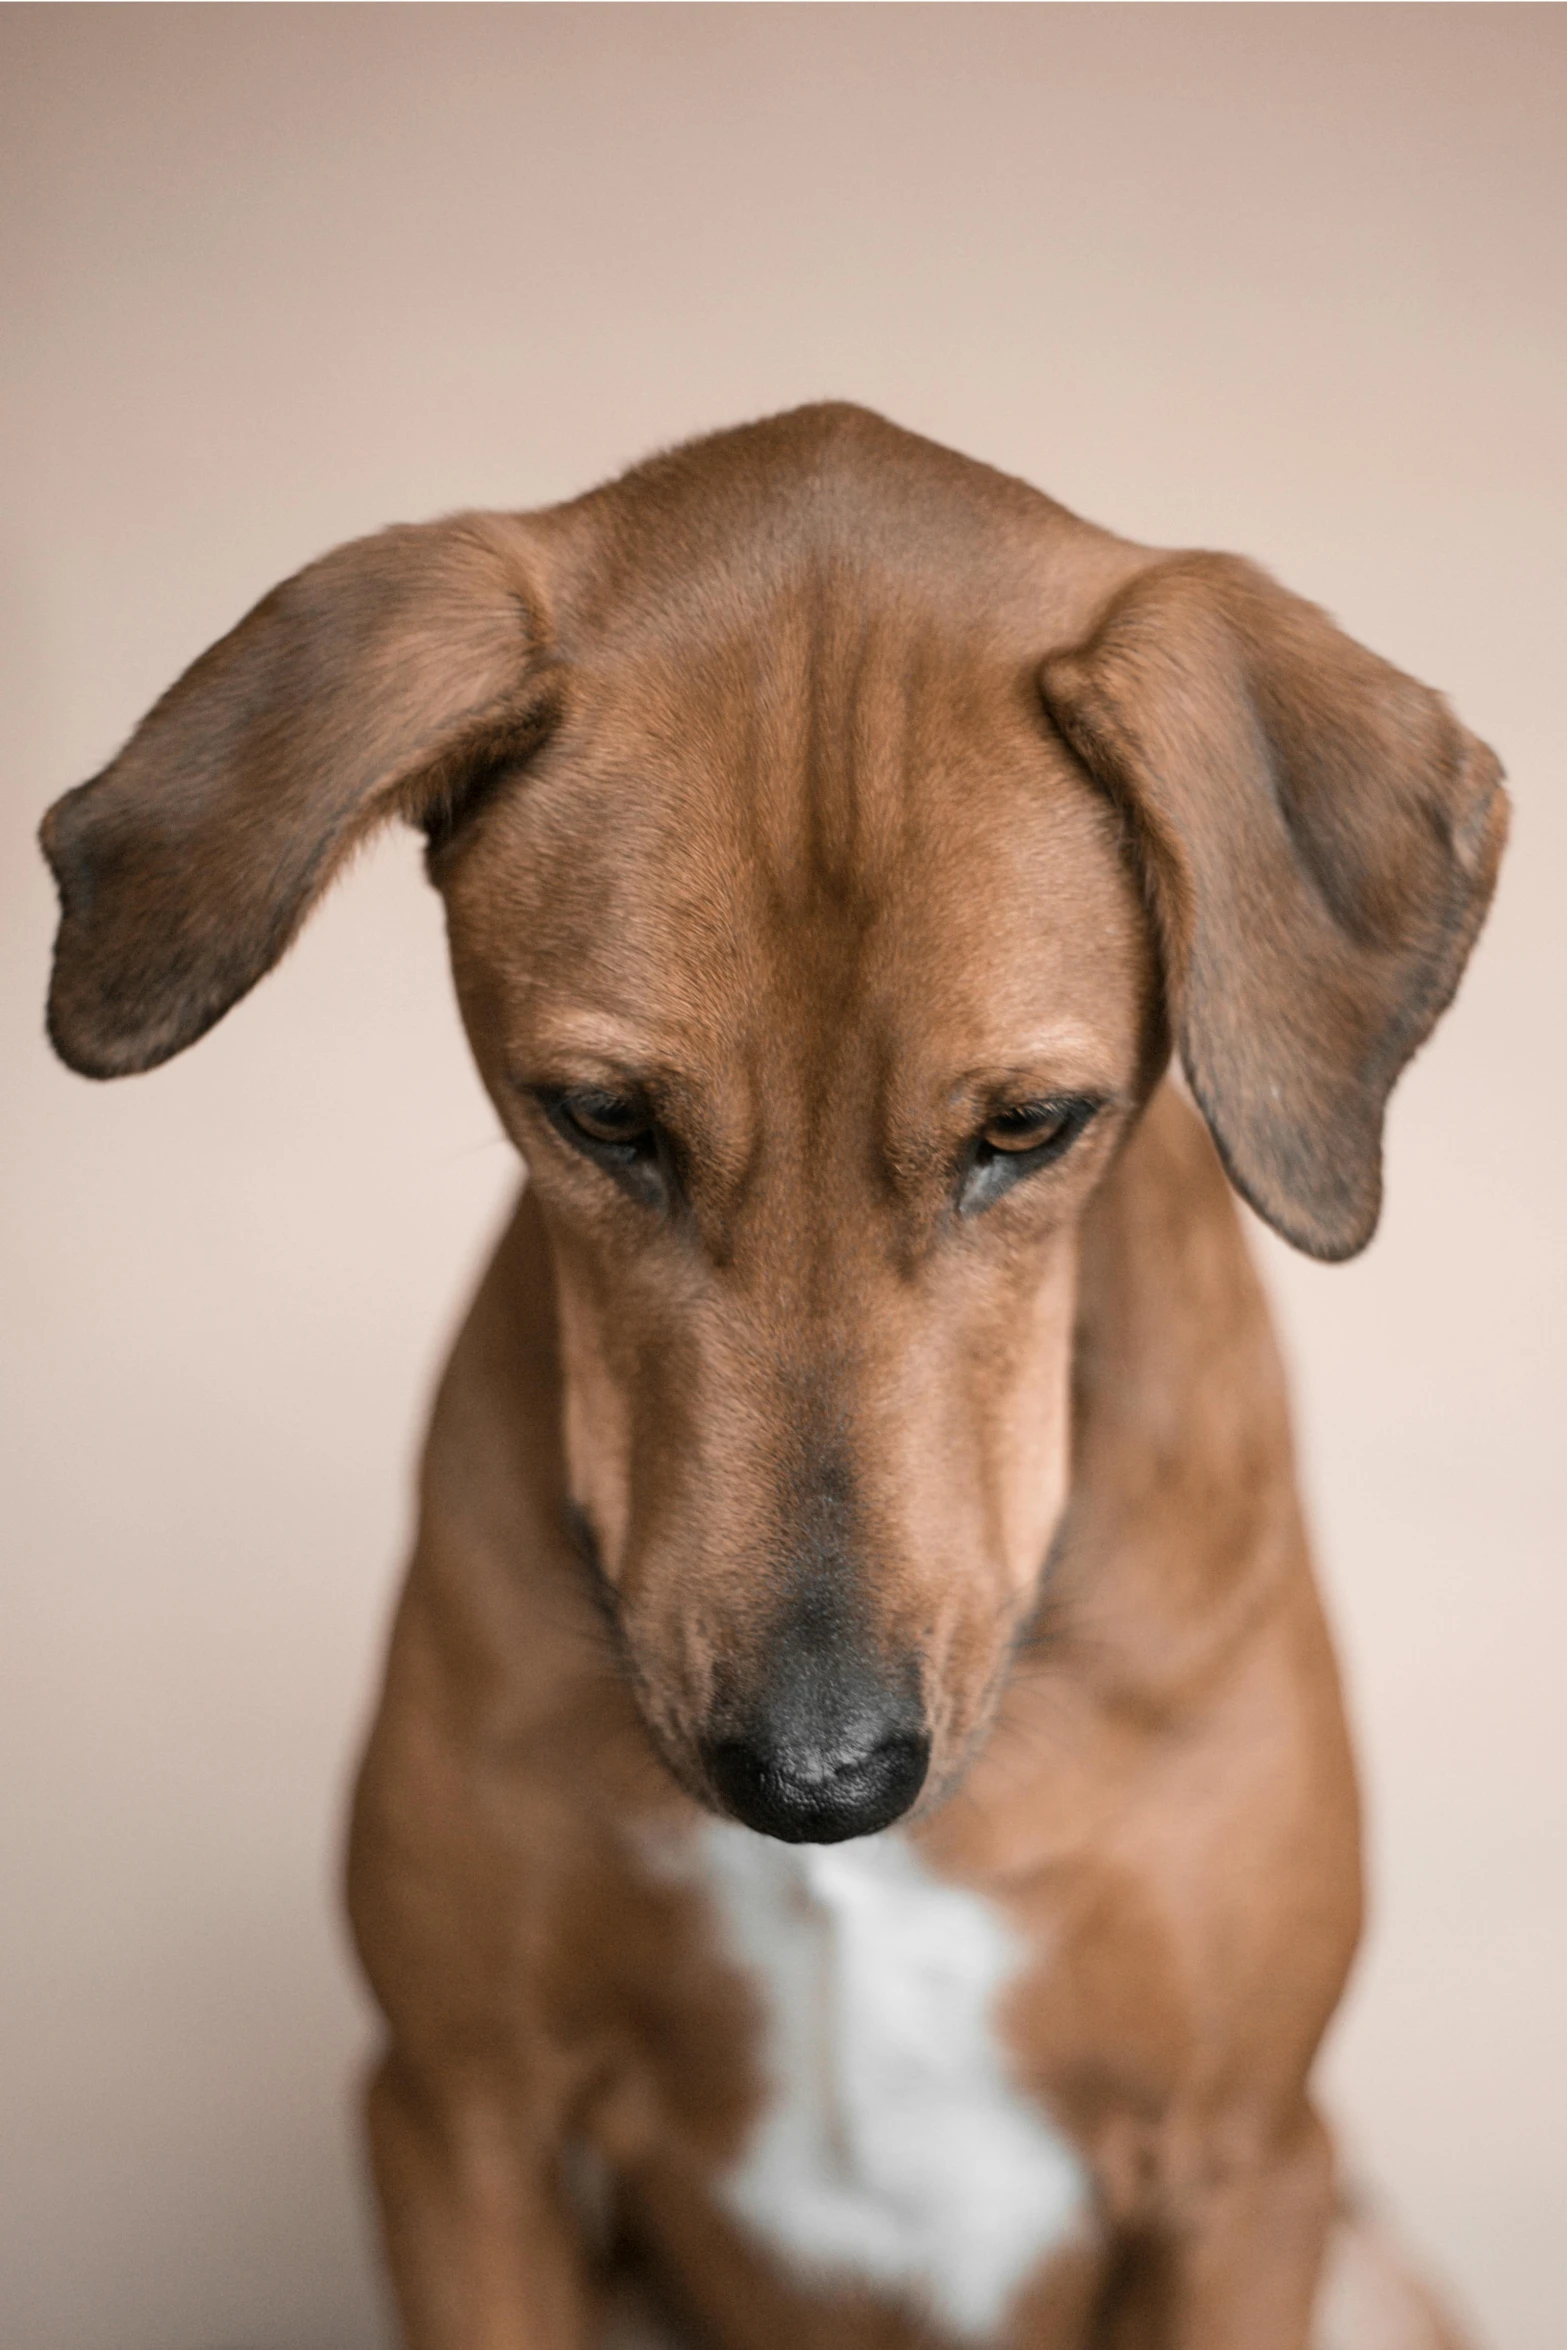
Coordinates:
[804,807]
[827,861]
[804,864]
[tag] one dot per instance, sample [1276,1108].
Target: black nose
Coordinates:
[807,1793]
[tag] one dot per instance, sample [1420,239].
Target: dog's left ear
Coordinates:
[388,679]
[1320,840]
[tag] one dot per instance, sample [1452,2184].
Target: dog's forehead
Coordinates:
[803,767]
[858,776]
[856,821]
[702,539]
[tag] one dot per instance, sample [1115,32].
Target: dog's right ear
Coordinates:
[384,680]
[1319,839]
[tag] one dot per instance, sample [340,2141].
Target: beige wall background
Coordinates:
[1287,280]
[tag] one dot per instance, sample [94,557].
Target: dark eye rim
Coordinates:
[639,1160]
[572,1107]
[990,1170]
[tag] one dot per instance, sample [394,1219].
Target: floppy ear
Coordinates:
[1320,840]
[383,680]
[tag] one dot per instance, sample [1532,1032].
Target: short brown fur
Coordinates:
[827,798]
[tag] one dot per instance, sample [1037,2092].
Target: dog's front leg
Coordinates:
[1246,2270]
[483,2251]
[1237,2260]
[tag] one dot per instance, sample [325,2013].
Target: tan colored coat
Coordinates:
[871,1413]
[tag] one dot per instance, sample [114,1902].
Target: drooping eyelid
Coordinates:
[640,1163]
[570,1111]
[986,1174]
[1003,1092]
[1034,1108]
[561,1080]
[1061,1116]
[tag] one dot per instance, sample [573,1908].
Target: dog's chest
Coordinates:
[893,2148]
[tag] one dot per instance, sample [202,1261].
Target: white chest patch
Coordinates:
[894,2149]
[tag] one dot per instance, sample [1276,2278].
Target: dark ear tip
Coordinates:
[129,988]
[73,1021]
[1330,1237]
[1329,1210]
[99,1034]
[1330,1234]
[1322,1220]
[83,1046]
[1335,1247]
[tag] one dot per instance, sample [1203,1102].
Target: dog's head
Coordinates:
[832,835]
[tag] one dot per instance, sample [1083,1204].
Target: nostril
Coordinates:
[815,1795]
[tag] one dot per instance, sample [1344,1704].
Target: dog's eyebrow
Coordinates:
[600,1036]
[1072,1043]
[1066,1058]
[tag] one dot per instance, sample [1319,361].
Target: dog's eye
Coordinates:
[1032,1126]
[1017,1141]
[605,1118]
[616,1131]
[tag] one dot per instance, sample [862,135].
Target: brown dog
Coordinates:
[871,1414]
